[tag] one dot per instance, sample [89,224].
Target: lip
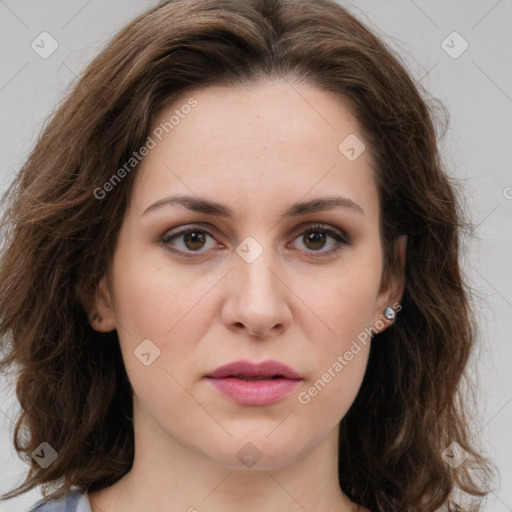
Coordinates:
[276,380]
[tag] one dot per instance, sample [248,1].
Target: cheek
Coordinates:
[153,298]
[331,393]
[340,332]
[339,357]
[163,304]
[342,304]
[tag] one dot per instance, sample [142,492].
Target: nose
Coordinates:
[257,298]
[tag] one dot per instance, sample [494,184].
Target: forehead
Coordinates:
[263,141]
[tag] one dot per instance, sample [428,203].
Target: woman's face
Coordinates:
[248,281]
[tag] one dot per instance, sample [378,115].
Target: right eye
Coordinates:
[193,240]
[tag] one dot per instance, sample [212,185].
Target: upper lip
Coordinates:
[249,369]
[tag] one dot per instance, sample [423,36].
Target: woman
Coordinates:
[231,276]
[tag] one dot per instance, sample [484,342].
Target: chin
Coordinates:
[260,450]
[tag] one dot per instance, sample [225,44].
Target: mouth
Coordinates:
[254,384]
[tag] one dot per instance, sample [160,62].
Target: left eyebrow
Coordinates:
[206,206]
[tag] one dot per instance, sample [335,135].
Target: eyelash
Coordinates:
[339,238]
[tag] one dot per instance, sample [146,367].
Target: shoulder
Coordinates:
[73,501]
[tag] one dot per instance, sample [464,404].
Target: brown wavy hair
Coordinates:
[59,240]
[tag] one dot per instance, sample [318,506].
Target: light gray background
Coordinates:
[476,87]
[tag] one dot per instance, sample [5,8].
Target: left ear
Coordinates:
[392,287]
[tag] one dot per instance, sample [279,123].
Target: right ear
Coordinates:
[101,313]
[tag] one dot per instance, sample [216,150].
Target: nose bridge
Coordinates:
[255,272]
[257,297]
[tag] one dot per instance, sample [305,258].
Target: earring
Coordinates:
[94,318]
[389,313]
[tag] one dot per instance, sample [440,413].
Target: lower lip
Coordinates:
[254,392]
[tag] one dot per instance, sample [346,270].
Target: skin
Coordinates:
[257,149]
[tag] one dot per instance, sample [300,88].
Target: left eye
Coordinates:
[315,238]
[194,239]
